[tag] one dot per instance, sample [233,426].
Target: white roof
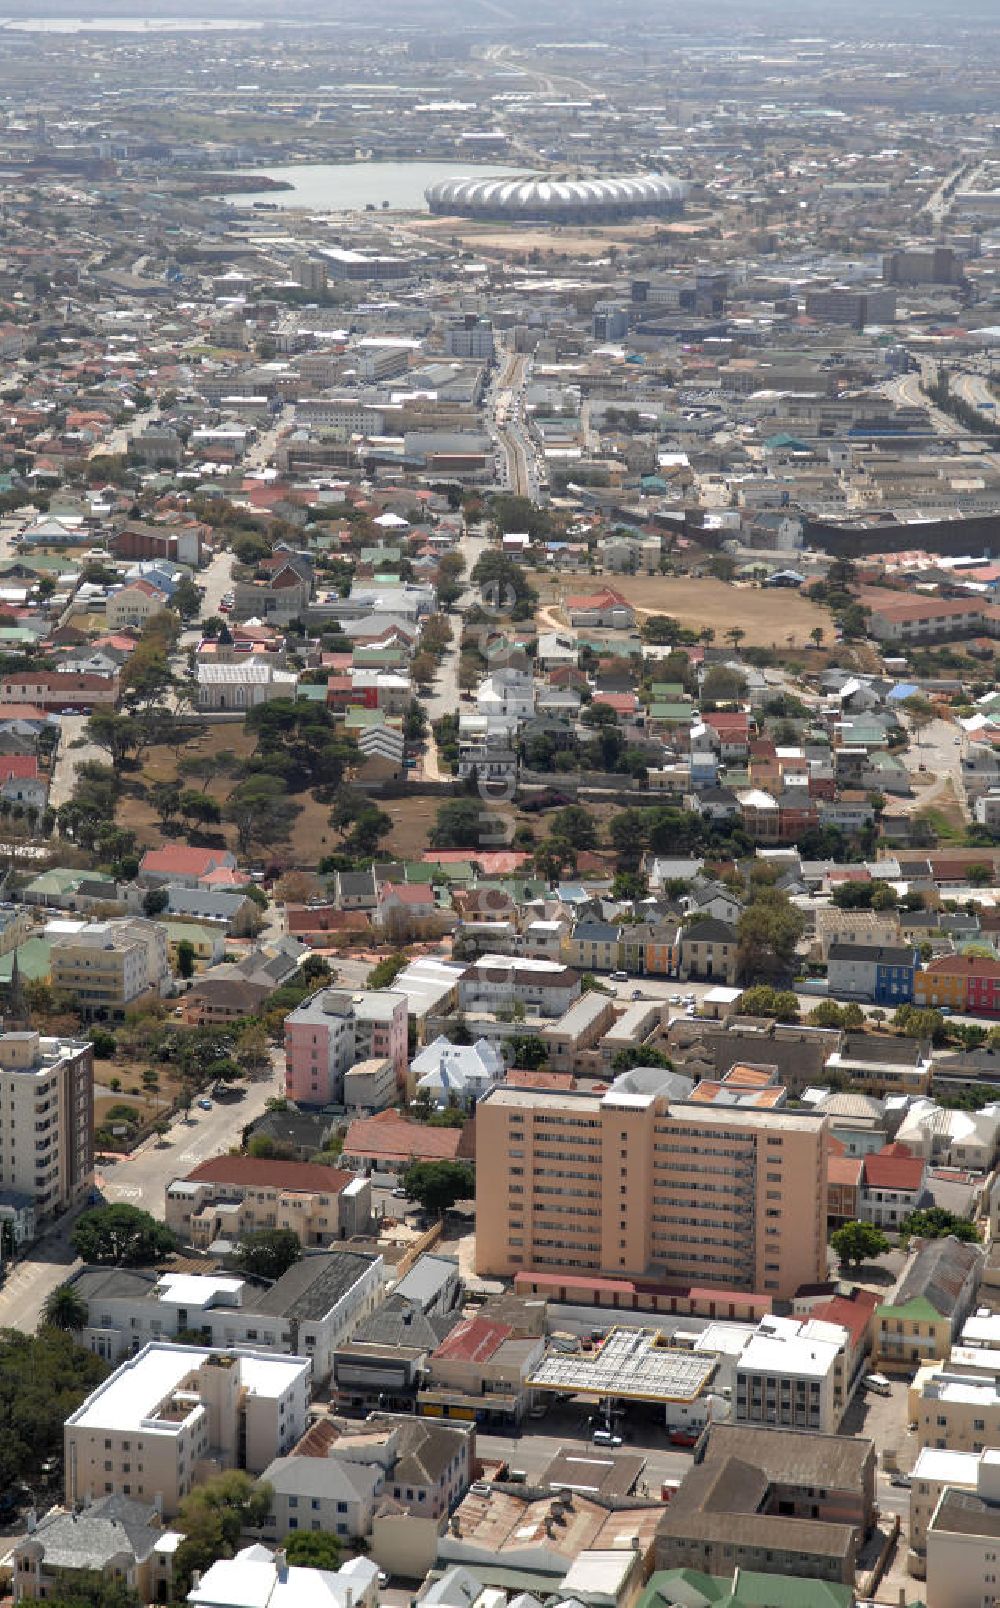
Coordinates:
[197,1289]
[140,1385]
[786,1346]
[604,1572]
[253,1579]
[951,1468]
[251,672]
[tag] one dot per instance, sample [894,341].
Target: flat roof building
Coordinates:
[173,1415]
[629,1184]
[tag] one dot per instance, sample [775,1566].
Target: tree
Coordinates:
[574,824]
[386,970]
[829,1014]
[763,1000]
[186,599]
[65,1309]
[43,1379]
[629,833]
[186,955]
[855,1243]
[154,902]
[816,636]
[260,810]
[934,1222]
[122,1236]
[768,931]
[105,1044]
[313,1549]
[919,1022]
[735,635]
[458,825]
[268,1252]
[528,1051]
[212,1519]
[723,685]
[437,1185]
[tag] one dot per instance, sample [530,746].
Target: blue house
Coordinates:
[894,973]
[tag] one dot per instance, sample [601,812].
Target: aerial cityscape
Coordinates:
[500,805]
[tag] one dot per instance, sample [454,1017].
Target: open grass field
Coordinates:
[769,617]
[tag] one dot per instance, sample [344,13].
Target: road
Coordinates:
[117,441]
[443,698]
[136,1180]
[69,758]
[934,756]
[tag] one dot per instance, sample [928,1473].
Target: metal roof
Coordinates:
[629,1364]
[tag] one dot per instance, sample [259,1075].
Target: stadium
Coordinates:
[541,198]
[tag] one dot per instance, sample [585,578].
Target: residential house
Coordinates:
[932,1299]
[230,1196]
[389,1142]
[960,983]
[118,1537]
[880,973]
[709,951]
[893,1185]
[456,1074]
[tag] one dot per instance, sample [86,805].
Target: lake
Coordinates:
[351,186]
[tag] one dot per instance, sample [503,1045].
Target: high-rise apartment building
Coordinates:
[46,1127]
[711,1191]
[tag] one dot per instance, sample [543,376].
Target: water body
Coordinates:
[352,186]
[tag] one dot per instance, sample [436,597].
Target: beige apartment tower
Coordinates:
[644,1186]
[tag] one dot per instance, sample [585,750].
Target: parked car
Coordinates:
[205,1104]
[605,1437]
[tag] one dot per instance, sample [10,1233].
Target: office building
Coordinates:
[642,1185]
[788,1375]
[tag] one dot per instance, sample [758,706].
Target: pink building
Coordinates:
[329,1033]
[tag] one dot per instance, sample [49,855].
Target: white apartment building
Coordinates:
[172,1416]
[933,1470]
[507,693]
[46,1127]
[107,965]
[313,1308]
[963,1542]
[502,982]
[790,1376]
[957,1412]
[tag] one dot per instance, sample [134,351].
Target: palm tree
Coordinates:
[65,1309]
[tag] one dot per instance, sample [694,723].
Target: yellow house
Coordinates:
[209,944]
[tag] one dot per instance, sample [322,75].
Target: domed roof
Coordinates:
[540,195]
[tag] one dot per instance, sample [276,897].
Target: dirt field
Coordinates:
[769,617]
[495,239]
